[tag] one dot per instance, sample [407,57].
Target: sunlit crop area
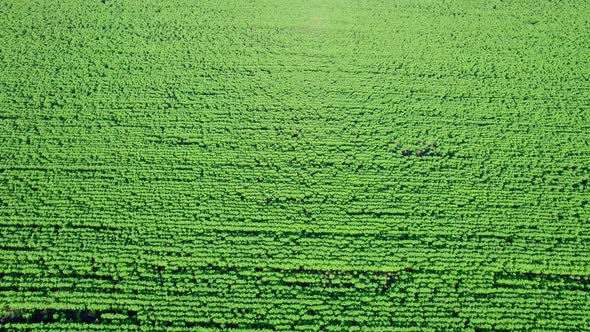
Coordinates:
[313,165]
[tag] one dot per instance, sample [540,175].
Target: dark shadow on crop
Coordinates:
[346,279]
[542,281]
[50,315]
[224,326]
[423,150]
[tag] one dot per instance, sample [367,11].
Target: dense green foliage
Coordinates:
[314,165]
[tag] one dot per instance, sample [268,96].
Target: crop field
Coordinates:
[313,165]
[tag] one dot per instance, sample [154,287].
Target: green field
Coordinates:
[314,165]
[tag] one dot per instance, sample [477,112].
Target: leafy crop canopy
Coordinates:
[315,165]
